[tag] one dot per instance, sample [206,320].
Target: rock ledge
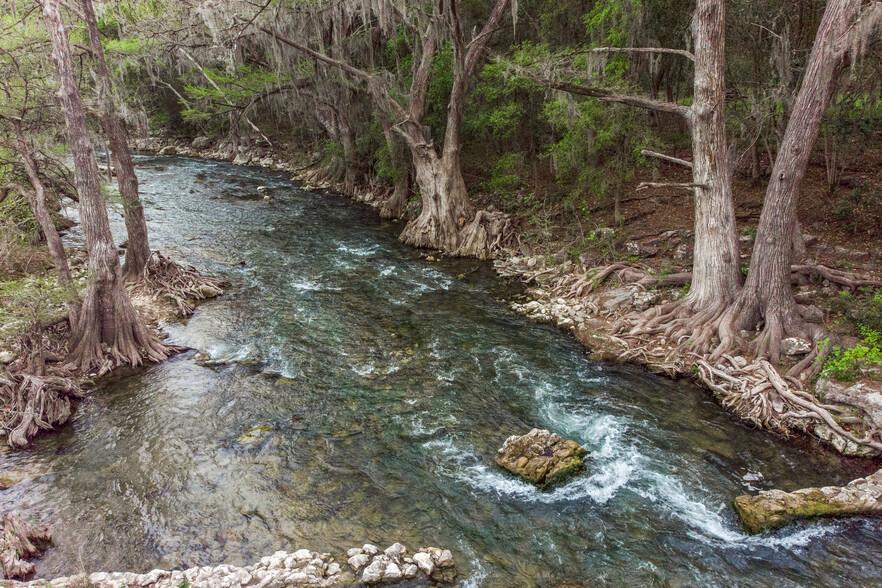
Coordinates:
[771,509]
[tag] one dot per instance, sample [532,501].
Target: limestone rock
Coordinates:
[200,143]
[396,551]
[354,551]
[356,562]
[792,346]
[424,562]
[541,457]
[373,574]
[771,509]
[392,573]
[7,357]
[864,394]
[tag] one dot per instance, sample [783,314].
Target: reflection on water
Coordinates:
[363,397]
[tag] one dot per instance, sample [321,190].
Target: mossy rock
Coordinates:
[542,458]
[772,510]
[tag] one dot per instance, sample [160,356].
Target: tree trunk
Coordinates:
[350,154]
[107,317]
[766,296]
[446,205]
[716,272]
[395,205]
[38,205]
[138,250]
[445,200]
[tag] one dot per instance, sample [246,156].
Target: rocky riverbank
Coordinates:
[588,301]
[366,565]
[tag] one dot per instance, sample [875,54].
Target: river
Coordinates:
[362,396]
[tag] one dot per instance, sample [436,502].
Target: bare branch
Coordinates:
[645,185]
[682,52]
[667,158]
[611,96]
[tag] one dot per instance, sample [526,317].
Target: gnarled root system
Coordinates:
[164,277]
[19,542]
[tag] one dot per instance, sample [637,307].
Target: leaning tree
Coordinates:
[716,276]
[767,298]
[448,220]
[138,249]
[26,111]
[107,322]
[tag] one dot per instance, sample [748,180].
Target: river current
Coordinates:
[360,396]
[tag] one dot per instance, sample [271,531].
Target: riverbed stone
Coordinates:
[370,549]
[424,562]
[373,574]
[392,573]
[771,509]
[395,551]
[356,562]
[541,457]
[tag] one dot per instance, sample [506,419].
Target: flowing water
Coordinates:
[362,397]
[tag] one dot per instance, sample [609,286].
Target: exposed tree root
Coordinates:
[759,394]
[20,542]
[676,339]
[835,276]
[35,396]
[486,235]
[163,277]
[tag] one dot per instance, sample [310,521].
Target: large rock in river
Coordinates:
[541,457]
[774,508]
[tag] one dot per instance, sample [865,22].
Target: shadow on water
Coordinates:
[362,397]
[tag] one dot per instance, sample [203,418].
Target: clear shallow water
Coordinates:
[371,393]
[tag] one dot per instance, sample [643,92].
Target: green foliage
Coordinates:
[505,179]
[847,364]
[597,149]
[438,95]
[863,308]
[34,298]
[226,90]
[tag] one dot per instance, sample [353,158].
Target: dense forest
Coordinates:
[691,186]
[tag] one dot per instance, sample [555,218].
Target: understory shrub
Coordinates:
[847,364]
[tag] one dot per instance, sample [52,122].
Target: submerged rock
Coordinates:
[541,457]
[771,509]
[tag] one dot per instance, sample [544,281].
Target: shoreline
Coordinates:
[590,313]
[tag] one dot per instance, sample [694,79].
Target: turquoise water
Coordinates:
[361,396]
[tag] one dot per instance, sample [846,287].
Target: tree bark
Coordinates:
[397,202]
[107,317]
[716,271]
[446,205]
[138,250]
[442,223]
[41,213]
[766,296]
